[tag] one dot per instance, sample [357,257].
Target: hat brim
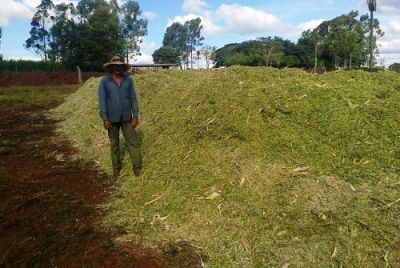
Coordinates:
[108,66]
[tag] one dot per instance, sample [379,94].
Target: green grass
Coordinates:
[45,96]
[258,167]
[31,96]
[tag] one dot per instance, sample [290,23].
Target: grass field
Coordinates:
[46,96]
[257,167]
[31,96]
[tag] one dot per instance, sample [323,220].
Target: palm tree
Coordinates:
[372,9]
[1,34]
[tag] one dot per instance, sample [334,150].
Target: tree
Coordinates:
[265,51]
[376,33]
[185,38]
[39,34]
[1,35]
[307,46]
[395,67]
[253,59]
[198,58]
[342,42]
[166,54]
[175,36]
[86,8]
[87,34]
[219,55]
[372,9]
[272,50]
[207,51]
[194,38]
[67,36]
[103,37]
[134,28]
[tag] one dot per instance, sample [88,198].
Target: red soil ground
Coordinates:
[47,210]
[43,78]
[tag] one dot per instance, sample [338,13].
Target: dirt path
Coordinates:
[47,206]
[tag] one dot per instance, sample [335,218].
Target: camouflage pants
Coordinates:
[132,142]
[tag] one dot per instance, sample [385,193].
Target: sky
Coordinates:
[224,21]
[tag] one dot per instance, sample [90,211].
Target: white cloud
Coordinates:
[394,26]
[194,6]
[388,6]
[148,46]
[294,31]
[14,10]
[245,20]
[389,44]
[388,59]
[150,15]
[33,58]
[209,27]
[143,59]
[146,50]
[309,25]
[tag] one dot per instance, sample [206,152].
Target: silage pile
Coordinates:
[257,166]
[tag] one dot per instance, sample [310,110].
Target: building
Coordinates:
[152,67]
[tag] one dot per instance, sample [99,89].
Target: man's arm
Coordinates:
[133,100]
[103,104]
[134,105]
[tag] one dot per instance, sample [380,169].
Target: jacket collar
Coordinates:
[109,76]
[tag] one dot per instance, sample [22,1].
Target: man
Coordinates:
[119,110]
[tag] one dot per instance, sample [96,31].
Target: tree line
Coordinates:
[86,34]
[181,45]
[90,32]
[341,42]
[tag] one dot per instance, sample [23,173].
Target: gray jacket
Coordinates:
[117,103]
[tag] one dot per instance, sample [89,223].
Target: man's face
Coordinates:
[118,70]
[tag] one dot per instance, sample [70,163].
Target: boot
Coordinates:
[116,173]
[137,172]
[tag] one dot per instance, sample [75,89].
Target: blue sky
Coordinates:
[224,21]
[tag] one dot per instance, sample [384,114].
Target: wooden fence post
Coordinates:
[79,74]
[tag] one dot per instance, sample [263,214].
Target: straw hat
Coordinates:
[115,61]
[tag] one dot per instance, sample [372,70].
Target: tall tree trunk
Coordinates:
[191,54]
[127,49]
[44,38]
[266,57]
[316,58]
[371,40]
[351,61]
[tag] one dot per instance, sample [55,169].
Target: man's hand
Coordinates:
[135,122]
[107,124]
